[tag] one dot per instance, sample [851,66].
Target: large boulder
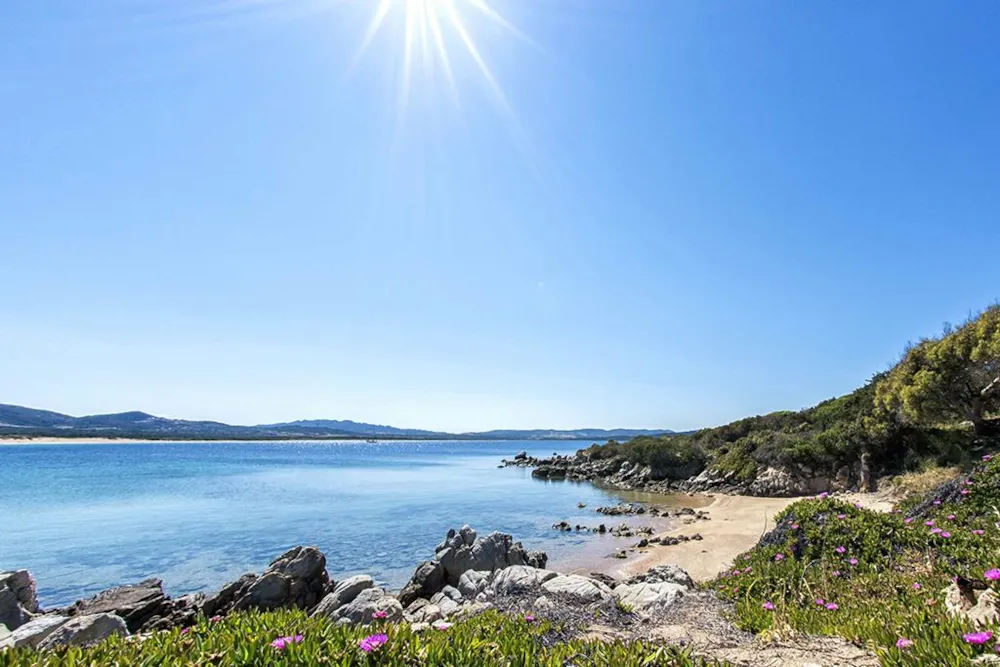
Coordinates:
[472,583]
[427,580]
[85,630]
[422,611]
[343,593]
[646,598]
[518,578]
[296,579]
[178,612]
[23,585]
[579,588]
[135,603]
[32,633]
[12,614]
[447,605]
[368,603]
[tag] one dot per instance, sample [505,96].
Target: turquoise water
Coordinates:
[86,517]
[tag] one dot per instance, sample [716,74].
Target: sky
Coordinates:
[640,213]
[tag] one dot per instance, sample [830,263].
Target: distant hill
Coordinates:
[20,421]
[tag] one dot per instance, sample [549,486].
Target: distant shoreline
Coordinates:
[95,440]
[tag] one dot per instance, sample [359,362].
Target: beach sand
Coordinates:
[737,523]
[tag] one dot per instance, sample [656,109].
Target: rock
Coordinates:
[85,630]
[422,611]
[343,593]
[521,456]
[543,604]
[472,583]
[364,607]
[5,637]
[32,633]
[12,614]
[977,606]
[427,580]
[519,578]
[417,628]
[562,525]
[445,604]
[23,585]
[452,593]
[664,574]
[135,603]
[646,598]
[296,579]
[468,610]
[620,554]
[179,612]
[605,579]
[468,534]
[575,586]
[537,559]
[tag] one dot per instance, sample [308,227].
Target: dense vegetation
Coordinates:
[248,639]
[935,406]
[825,566]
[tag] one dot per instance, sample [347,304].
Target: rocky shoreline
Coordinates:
[772,482]
[466,575]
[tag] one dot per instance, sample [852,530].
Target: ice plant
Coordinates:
[903,643]
[916,586]
[840,550]
[977,531]
[853,561]
[372,642]
[284,642]
[841,516]
[824,495]
[987,457]
[184,631]
[795,526]
[935,531]
[992,575]
[380,614]
[929,523]
[820,601]
[937,502]
[945,534]
[964,492]
[529,618]
[768,606]
[950,517]
[908,519]
[779,557]
[442,625]
[836,573]
[832,606]
[978,637]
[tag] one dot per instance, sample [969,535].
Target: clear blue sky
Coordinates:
[682,212]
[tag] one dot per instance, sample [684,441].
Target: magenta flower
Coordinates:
[840,550]
[978,531]
[935,531]
[529,618]
[380,614]
[372,642]
[768,606]
[820,601]
[832,606]
[950,517]
[903,643]
[857,505]
[795,526]
[824,495]
[442,625]
[978,637]
[929,523]
[964,492]
[908,519]
[779,557]
[282,643]
[987,457]
[968,482]
[836,573]
[842,516]
[916,586]
[945,534]
[184,631]
[992,575]
[937,502]
[747,569]
[853,561]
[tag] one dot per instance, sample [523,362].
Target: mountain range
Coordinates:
[20,421]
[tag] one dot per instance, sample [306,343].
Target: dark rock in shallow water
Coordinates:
[135,603]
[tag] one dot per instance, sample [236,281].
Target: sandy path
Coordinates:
[737,524]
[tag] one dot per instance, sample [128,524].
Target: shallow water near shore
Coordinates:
[83,518]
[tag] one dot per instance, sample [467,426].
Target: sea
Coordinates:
[86,517]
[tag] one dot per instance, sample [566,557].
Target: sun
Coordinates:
[430,25]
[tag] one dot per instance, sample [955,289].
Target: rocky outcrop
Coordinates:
[460,552]
[519,578]
[578,587]
[85,630]
[136,604]
[664,574]
[23,585]
[343,593]
[978,606]
[295,579]
[12,614]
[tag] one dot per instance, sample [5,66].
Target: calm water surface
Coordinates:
[86,517]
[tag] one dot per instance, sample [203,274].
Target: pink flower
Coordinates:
[987,457]
[992,575]
[935,531]
[908,519]
[836,573]
[442,625]
[916,586]
[840,550]
[795,526]
[747,569]
[977,531]
[380,614]
[857,505]
[929,523]
[968,482]
[282,643]
[841,516]
[184,631]
[964,492]
[937,502]
[824,495]
[779,557]
[768,606]
[902,643]
[853,561]
[372,642]
[978,637]
[950,517]
[820,601]
[945,534]
[215,619]
[529,618]
[832,606]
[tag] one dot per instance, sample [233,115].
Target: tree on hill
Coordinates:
[953,378]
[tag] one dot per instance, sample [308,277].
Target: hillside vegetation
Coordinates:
[938,404]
